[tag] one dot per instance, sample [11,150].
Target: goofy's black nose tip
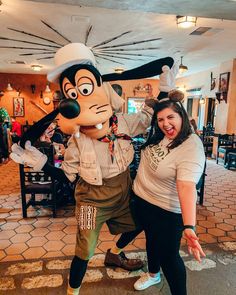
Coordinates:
[69,108]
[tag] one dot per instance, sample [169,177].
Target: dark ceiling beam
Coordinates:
[54,30]
[27,42]
[111,39]
[130,43]
[33,35]
[102,57]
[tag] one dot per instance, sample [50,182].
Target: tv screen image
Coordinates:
[135,104]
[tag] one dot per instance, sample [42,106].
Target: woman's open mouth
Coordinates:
[170,131]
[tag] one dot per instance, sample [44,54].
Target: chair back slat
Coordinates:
[37,182]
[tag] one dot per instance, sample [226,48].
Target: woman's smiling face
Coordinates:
[169,122]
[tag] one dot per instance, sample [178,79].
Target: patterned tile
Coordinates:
[53,246]
[20,238]
[34,253]
[14,249]
[55,235]
[36,241]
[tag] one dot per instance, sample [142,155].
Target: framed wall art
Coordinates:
[18,107]
[224,82]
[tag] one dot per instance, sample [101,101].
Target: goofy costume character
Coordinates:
[99,151]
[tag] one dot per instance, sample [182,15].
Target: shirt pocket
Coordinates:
[89,169]
[127,151]
[89,172]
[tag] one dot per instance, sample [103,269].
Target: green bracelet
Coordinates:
[189,226]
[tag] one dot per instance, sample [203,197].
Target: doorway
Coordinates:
[195,110]
[211,111]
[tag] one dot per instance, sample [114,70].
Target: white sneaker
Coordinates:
[146,281]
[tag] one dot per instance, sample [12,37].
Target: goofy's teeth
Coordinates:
[77,132]
[99,126]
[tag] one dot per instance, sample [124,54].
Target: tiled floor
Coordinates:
[41,236]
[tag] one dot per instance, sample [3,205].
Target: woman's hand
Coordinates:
[194,248]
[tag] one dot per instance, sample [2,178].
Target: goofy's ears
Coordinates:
[69,108]
[150,69]
[35,131]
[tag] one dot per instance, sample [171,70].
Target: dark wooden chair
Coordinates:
[34,183]
[207,138]
[137,142]
[226,144]
[208,145]
[231,160]
[25,128]
[200,187]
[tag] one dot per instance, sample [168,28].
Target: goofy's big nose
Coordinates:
[69,108]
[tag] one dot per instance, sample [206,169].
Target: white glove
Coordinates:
[29,156]
[167,78]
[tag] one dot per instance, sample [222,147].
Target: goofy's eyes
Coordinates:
[85,89]
[72,93]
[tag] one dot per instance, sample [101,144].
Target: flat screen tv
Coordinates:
[135,104]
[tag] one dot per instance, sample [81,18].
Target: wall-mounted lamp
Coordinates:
[9,88]
[182,68]
[18,92]
[36,68]
[185,22]
[202,101]
[47,89]
[33,87]
[119,70]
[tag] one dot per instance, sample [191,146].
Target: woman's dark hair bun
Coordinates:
[176,95]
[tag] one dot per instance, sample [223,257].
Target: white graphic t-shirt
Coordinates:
[160,168]
[157,153]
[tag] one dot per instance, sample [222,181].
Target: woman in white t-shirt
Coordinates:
[172,163]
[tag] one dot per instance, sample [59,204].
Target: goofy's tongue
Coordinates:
[98,126]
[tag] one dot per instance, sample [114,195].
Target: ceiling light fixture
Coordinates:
[9,88]
[119,70]
[185,22]
[36,68]
[182,68]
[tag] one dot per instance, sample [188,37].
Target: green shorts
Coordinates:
[96,205]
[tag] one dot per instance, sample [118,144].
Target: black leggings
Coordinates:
[79,266]
[163,230]
[77,271]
